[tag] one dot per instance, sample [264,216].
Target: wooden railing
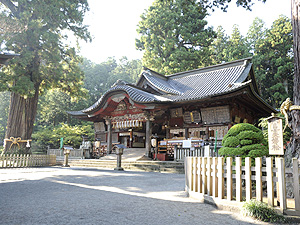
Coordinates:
[232,182]
[181,153]
[75,153]
[14,161]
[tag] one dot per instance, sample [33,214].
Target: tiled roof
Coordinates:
[185,86]
[202,83]
[161,84]
[136,94]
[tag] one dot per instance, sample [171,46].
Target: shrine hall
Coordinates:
[200,105]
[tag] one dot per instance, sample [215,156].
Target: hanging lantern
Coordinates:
[141,123]
[130,123]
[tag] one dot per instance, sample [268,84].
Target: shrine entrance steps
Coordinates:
[132,159]
[150,166]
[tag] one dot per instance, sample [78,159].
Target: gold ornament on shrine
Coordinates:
[285,107]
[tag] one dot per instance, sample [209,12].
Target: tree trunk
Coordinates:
[296,47]
[22,112]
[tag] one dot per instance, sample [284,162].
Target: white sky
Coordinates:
[113,24]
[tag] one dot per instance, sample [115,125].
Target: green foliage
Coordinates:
[273,60]
[272,56]
[231,142]
[262,211]
[4,106]
[219,45]
[50,136]
[107,73]
[236,47]
[44,61]
[174,36]
[244,140]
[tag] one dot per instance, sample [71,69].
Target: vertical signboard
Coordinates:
[275,136]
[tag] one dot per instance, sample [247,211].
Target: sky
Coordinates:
[113,24]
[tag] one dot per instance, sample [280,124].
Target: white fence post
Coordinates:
[248,178]
[258,179]
[238,169]
[220,178]
[270,186]
[296,184]
[281,184]
[229,178]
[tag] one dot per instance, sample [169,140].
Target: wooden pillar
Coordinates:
[167,133]
[109,135]
[186,133]
[148,136]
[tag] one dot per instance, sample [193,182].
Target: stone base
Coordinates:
[119,168]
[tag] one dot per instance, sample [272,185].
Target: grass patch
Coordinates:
[262,211]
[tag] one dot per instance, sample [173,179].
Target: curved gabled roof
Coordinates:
[136,94]
[185,86]
[201,83]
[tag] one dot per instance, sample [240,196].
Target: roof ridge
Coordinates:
[243,62]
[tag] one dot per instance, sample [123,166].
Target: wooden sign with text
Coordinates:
[275,136]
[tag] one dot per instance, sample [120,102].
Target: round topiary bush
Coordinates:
[244,140]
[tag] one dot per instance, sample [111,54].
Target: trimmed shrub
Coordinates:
[244,140]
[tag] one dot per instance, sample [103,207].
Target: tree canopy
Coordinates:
[44,61]
[175,36]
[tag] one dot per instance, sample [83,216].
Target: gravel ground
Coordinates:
[59,195]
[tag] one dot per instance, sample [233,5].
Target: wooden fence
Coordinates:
[233,183]
[14,161]
[181,153]
[74,153]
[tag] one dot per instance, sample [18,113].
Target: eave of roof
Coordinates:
[136,94]
[6,56]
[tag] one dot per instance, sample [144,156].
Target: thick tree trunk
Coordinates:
[296,47]
[20,122]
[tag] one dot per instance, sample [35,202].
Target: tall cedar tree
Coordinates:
[175,36]
[44,61]
[273,62]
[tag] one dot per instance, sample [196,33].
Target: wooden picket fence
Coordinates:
[233,183]
[18,161]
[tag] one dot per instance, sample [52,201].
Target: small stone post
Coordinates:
[119,153]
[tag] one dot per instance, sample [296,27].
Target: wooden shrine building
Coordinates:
[199,104]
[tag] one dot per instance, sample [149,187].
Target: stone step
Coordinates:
[155,166]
